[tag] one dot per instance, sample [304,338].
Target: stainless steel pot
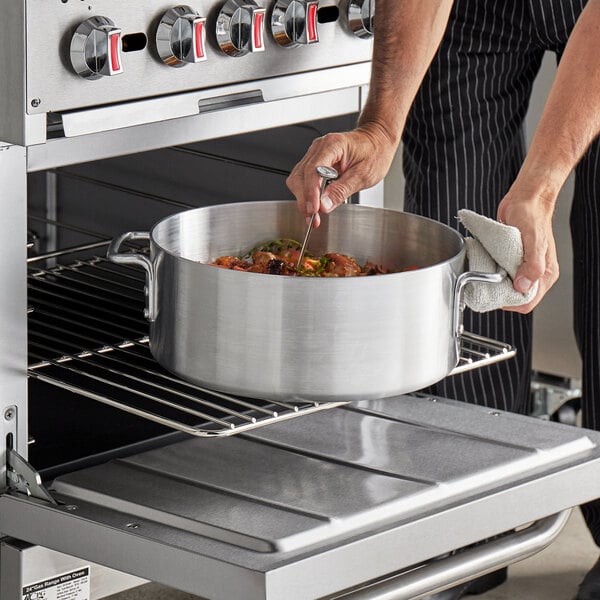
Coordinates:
[321,339]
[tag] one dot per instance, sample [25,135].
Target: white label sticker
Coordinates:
[68,586]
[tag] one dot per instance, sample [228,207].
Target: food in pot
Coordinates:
[280,257]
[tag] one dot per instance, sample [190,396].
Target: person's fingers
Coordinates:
[534,262]
[531,214]
[545,281]
[304,181]
[361,158]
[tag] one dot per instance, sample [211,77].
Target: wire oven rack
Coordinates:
[87,335]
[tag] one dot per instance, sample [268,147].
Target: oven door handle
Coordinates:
[137,259]
[466,564]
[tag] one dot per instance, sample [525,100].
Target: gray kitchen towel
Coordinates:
[494,248]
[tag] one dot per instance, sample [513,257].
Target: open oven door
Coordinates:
[352,502]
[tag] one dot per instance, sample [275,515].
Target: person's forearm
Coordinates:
[571,118]
[407,35]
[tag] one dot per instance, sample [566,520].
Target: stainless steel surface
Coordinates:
[197,517]
[107,132]
[37,34]
[13,304]
[247,333]
[16,124]
[466,564]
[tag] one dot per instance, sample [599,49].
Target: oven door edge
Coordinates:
[204,566]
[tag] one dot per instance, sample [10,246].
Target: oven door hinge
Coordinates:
[22,477]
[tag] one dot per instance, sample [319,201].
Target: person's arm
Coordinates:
[407,35]
[569,123]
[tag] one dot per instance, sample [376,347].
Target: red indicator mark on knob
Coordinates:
[115,57]
[312,23]
[199,39]
[259,18]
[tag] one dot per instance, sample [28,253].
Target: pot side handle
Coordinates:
[115,255]
[459,305]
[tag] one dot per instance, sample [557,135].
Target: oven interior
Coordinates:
[79,301]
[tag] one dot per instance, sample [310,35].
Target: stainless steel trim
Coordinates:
[464,565]
[51,210]
[66,251]
[130,114]
[13,303]
[12,67]
[241,119]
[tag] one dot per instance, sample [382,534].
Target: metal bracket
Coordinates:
[555,398]
[22,477]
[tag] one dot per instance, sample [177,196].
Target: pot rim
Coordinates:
[178,215]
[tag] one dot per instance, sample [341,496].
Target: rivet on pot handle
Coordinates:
[459,305]
[138,260]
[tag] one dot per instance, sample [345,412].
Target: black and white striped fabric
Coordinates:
[463,146]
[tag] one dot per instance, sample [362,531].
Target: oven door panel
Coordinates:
[291,511]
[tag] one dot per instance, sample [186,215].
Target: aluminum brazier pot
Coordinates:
[278,337]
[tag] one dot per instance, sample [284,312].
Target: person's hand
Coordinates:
[532,215]
[362,158]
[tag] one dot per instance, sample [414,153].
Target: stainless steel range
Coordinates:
[113,470]
[72,64]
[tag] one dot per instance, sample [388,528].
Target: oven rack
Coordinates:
[87,336]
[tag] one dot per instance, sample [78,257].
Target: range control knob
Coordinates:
[360,17]
[181,37]
[294,22]
[96,48]
[240,27]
